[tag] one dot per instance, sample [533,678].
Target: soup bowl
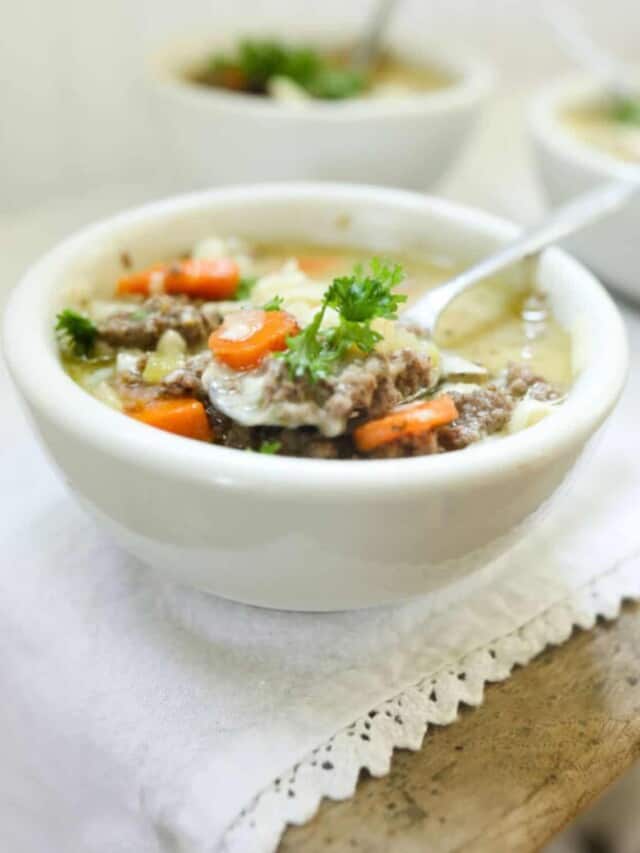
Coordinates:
[219,138]
[568,165]
[299,533]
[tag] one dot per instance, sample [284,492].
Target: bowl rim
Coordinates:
[37,371]
[549,131]
[475,82]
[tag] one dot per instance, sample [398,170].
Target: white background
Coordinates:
[74,111]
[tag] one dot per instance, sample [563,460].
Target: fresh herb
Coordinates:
[358,299]
[258,61]
[363,296]
[335,84]
[274,304]
[270,447]
[309,353]
[75,332]
[245,286]
[626,110]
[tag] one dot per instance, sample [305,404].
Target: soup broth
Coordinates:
[596,125]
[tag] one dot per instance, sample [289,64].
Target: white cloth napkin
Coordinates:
[141,716]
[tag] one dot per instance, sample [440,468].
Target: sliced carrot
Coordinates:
[318,264]
[246,337]
[412,419]
[182,416]
[204,278]
[233,78]
[139,283]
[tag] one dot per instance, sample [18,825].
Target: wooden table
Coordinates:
[510,774]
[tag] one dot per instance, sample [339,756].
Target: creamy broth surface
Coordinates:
[592,123]
[393,76]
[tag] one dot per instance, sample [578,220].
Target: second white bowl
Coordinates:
[568,166]
[221,138]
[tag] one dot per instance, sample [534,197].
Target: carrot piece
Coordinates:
[139,283]
[246,337]
[233,78]
[182,416]
[318,264]
[410,420]
[204,278]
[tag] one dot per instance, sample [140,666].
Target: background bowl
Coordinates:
[304,533]
[223,138]
[567,166]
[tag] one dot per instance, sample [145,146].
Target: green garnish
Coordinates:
[270,447]
[335,84]
[257,61]
[274,304]
[309,353]
[245,286]
[358,300]
[75,332]
[362,296]
[626,110]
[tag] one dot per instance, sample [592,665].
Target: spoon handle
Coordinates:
[366,50]
[570,30]
[571,217]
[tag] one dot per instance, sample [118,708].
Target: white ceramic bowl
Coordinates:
[568,166]
[221,138]
[305,533]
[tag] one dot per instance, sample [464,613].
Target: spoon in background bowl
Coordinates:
[569,28]
[367,49]
[580,212]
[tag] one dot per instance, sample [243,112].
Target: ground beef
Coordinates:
[368,389]
[365,388]
[481,413]
[186,381]
[304,441]
[142,326]
[521,380]
[308,443]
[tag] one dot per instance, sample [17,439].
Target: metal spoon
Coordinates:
[366,50]
[581,47]
[571,217]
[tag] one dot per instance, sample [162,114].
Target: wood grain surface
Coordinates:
[510,774]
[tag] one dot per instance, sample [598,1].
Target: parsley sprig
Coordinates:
[358,299]
[76,333]
[626,110]
[245,286]
[274,304]
[270,448]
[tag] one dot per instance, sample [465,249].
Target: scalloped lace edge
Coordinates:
[332,769]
